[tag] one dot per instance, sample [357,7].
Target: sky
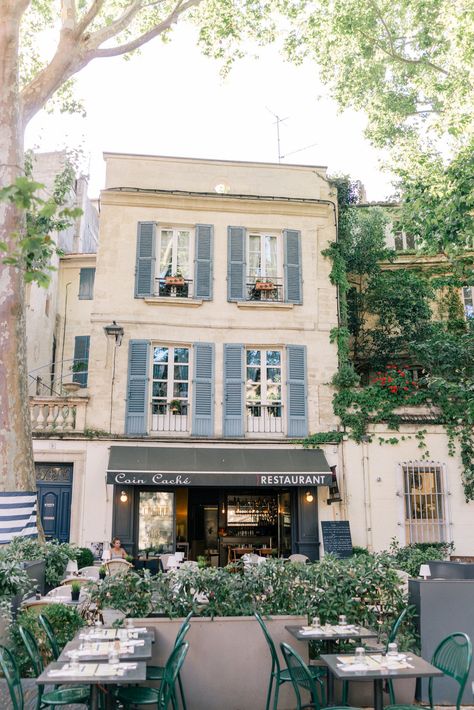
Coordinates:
[171,100]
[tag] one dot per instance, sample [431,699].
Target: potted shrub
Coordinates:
[102,572]
[175,280]
[264,285]
[176,406]
[75,591]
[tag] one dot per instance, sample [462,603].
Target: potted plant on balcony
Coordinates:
[176,279]
[264,285]
[176,406]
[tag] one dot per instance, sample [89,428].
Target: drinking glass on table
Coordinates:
[316,623]
[360,655]
[74,660]
[342,620]
[113,656]
[392,650]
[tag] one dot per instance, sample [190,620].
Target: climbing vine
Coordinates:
[395,349]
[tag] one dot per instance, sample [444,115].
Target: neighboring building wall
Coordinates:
[74,312]
[41,303]
[376,495]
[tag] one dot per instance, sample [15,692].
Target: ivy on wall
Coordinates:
[396,349]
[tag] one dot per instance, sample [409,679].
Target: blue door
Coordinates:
[54,483]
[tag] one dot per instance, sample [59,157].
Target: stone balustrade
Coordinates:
[58,414]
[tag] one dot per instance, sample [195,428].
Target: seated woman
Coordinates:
[117,550]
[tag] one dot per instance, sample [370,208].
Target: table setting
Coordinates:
[90,670]
[331,632]
[90,650]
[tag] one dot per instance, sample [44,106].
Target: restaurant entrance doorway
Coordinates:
[224,524]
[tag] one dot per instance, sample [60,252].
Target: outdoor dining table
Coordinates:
[98,650]
[93,674]
[103,633]
[408,666]
[328,635]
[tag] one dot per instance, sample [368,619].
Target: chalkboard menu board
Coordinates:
[337,537]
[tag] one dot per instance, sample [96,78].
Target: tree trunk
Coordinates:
[16,454]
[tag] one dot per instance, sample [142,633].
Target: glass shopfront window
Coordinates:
[156,521]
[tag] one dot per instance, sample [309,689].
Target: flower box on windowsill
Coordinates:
[264,286]
[174,280]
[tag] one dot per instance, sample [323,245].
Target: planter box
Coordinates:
[443,607]
[228,663]
[110,616]
[264,286]
[174,281]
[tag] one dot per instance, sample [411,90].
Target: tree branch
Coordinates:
[399,57]
[90,15]
[68,15]
[180,8]
[75,51]
[115,27]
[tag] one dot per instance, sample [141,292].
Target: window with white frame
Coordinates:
[263,390]
[263,256]
[170,388]
[175,260]
[468,301]
[264,270]
[424,502]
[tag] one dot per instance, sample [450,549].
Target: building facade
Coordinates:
[198,344]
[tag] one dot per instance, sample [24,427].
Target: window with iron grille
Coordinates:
[425,507]
[468,301]
[404,242]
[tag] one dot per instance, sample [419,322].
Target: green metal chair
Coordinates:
[453,656]
[279,675]
[156,672]
[301,677]
[12,676]
[45,624]
[61,696]
[166,694]
[392,636]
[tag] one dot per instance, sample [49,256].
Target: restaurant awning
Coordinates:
[199,466]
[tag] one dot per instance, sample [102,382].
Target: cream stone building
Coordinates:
[198,341]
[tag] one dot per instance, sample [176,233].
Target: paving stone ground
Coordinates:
[29,694]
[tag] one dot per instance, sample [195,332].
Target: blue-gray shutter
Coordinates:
[234,398]
[236,266]
[203,390]
[136,418]
[296,390]
[86,284]
[292,252]
[145,266]
[81,359]
[203,262]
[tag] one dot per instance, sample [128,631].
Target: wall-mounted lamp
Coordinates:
[123,497]
[309,497]
[114,330]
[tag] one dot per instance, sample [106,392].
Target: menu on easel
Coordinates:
[337,537]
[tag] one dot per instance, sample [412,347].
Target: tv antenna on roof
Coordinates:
[277,122]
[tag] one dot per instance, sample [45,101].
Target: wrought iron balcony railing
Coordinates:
[265,289]
[173,287]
